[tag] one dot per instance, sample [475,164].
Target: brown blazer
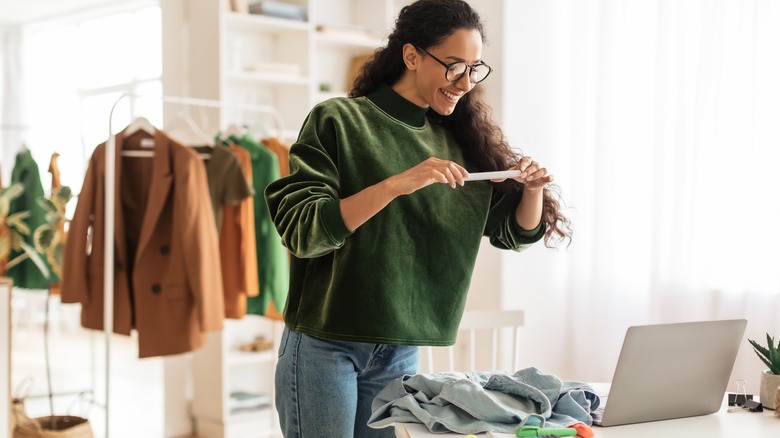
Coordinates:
[167,277]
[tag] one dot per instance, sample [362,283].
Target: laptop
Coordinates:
[668,371]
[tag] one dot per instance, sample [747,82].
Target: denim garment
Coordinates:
[324,388]
[471,403]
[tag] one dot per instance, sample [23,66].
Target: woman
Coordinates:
[383,229]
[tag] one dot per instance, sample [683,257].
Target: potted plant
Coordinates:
[49,240]
[770,379]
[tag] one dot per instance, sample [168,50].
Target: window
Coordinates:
[73,75]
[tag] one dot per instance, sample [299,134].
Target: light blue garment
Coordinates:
[471,403]
[324,388]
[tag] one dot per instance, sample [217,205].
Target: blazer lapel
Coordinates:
[162,176]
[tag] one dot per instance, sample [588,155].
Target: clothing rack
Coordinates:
[110,163]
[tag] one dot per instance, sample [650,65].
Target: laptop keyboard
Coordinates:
[598,414]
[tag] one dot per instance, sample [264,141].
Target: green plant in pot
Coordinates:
[770,379]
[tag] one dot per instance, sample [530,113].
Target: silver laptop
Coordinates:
[670,371]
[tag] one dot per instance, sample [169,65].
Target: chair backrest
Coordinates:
[482,334]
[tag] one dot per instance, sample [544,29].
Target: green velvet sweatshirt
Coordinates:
[402,277]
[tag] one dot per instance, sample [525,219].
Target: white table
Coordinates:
[721,424]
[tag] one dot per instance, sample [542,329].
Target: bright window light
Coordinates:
[74,73]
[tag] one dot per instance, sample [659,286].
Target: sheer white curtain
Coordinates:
[13,124]
[661,122]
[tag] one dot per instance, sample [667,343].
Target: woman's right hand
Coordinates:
[433,170]
[363,205]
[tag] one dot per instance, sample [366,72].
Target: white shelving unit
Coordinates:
[6,420]
[220,368]
[211,52]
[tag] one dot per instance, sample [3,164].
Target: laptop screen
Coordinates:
[670,371]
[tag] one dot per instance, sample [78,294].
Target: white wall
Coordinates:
[534,280]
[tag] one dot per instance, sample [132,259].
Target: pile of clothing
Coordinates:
[477,402]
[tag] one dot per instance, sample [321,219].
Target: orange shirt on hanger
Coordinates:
[282,151]
[237,245]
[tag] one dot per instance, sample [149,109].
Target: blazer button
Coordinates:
[156,289]
[165,250]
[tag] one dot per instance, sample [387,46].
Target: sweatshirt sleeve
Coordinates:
[305,205]
[502,227]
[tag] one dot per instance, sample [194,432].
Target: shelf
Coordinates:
[283,63]
[249,357]
[260,414]
[346,40]
[263,24]
[268,78]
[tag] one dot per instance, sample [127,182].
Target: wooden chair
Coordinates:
[482,334]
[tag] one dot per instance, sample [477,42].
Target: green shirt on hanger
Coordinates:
[227,183]
[26,274]
[272,259]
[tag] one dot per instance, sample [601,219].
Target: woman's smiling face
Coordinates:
[432,87]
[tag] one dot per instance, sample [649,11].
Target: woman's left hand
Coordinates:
[532,174]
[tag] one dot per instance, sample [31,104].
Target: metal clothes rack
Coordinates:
[110,163]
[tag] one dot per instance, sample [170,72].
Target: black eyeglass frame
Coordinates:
[470,68]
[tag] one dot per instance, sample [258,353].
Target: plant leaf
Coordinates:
[5,205]
[55,258]
[61,196]
[760,349]
[16,260]
[774,357]
[52,217]
[12,192]
[54,255]
[16,221]
[36,258]
[16,241]
[44,238]
[765,360]
[770,356]
[47,205]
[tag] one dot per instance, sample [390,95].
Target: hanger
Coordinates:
[259,130]
[184,130]
[232,129]
[139,124]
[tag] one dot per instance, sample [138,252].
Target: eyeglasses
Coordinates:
[455,70]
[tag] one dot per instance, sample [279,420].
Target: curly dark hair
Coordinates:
[426,23]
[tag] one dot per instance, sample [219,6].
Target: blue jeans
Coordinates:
[325,388]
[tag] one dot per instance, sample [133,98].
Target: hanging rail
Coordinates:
[110,163]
